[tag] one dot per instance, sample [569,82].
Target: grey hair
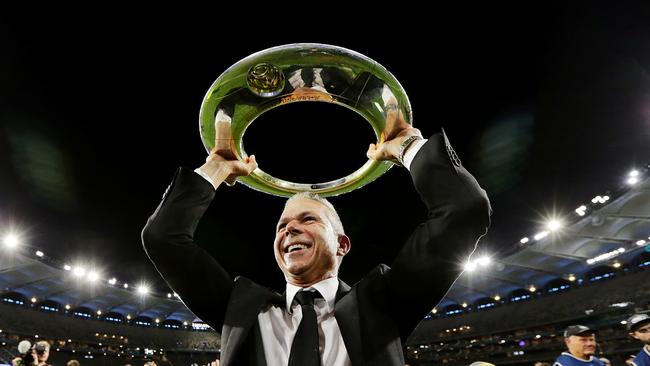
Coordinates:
[334,216]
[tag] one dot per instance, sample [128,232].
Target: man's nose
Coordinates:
[292,228]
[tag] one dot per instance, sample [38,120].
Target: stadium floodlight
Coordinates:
[39,253]
[93,276]
[112,281]
[572,278]
[532,288]
[434,311]
[632,180]
[523,240]
[623,322]
[538,336]
[470,266]
[640,242]
[157,320]
[185,323]
[67,307]
[616,265]
[67,267]
[541,235]
[99,312]
[11,241]
[497,297]
[464,304]
[169,295]
[79,271]
[633,173]
[34,299]
[582,210]
[554,224]
[484,260]
[143,289]
[126,285]
[176,296]
[128,317]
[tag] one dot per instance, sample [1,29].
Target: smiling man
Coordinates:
[319,319]
[581,344]
[639,327]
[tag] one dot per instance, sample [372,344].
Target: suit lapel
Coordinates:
[346,312]
[246,302]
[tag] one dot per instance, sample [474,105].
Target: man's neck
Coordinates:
[581,356]
[308,283]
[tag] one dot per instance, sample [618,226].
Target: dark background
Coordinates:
[548,105]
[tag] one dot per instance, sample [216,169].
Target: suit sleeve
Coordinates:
[458,215]
[168,239]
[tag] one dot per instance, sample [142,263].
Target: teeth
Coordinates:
[293,247]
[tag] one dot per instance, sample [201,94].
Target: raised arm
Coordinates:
[458,215]
[168,237]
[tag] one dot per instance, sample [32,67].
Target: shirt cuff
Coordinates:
[204,175]
[412,151]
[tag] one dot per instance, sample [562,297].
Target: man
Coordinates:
[581,343]
[363,325]
[36,355]
[639,327]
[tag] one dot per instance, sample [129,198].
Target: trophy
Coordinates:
[302,72]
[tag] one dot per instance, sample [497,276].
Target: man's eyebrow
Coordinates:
[300,215]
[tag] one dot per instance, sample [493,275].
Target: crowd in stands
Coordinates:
[526,332]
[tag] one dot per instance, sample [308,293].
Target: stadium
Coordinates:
[512,310]
[549,109]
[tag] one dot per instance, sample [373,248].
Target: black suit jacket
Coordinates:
[377,314]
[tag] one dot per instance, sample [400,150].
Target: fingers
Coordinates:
[378,152]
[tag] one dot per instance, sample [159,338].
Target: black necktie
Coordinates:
[304,349]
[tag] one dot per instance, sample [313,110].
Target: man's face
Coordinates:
[42,357]
[306,246]
[642,334]
[581,346]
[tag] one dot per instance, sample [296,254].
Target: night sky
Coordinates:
[547,106]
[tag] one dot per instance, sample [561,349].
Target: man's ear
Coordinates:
[633,336]
[344,245]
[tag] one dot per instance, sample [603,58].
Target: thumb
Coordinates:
[372,152]
[251,163]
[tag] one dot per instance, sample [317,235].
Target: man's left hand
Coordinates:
[389,149]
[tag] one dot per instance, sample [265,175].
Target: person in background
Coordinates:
[639,327]
[581,344]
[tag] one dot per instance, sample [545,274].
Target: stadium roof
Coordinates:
[32,278]
[607,231]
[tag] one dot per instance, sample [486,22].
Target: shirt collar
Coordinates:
[591,358]
[327,289]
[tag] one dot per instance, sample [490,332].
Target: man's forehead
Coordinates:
[584,336]
[644,327]
[300,206]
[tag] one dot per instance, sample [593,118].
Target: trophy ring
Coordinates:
[302,72]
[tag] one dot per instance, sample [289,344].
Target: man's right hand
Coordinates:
[223,163]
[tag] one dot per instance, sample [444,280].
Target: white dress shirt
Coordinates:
[278,327]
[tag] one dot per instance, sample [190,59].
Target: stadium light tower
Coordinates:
[484,260]
[470,266]
[11,241]
[143,289]
[554,225]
